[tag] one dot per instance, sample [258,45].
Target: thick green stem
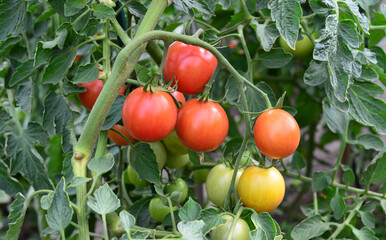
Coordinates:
[106,49]
[315,197]
[172,215]
[105,227]
[234,222]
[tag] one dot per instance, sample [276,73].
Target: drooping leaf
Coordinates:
[338,205]
[142,155]
[11,16]
[316,73]
[336,120]
[25,70]
[212,218]
[266,33]
[127,220]
[86,73]
[58,67]
[188,6]
[8,184]
[16,216]
[320,180]
[24,96]
[309,228]
[369,141]
[264,222]
[376,170]
[61,33]
[298,161]
[115,113]
[102,11]
[275,58]
[364,233]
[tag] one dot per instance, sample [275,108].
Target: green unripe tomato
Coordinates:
[158,210]
[175,161]
[240,231]
[159,151]
[201,175]
[303,48]
[174,145]
[126,177]
[179,185]
[134,178]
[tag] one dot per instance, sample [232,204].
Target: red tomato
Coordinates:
[276,133]
[202,126]
[179,97]
[192,66]
[93,89]
[118,139]
[148,116]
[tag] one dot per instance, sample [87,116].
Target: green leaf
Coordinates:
[8,184]
[61,33]
[127,220]
[369,141]
[321,7]
[72,7]
[383,205]
[104,200]
[376,170]
[78,181]
[115,113]
[194,157]
[16,216]
[188,6]
[142,155]
[347,32]
[309,228]
[316,73]
[58,67]
[348,175]
[140,210]
[342,106]
[320,180]
[212,218]
[58,114]
[24,96]
[60,212]
[298,161]
[102,11]
[102,164]
[368,74]
[86,73]
[364,233]
[336,120]
[46,201]
[351,8]
[368,219]
[276,58]
[338,205]
[365,108]
[264,222]
[12,15]
[191,230]
[266,33]
[287,14]
[137,9]
[67,171]
[190,211]
[25,70]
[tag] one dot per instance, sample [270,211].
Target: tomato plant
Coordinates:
[240,231]
[202,126]
[118,139]
[201,175]
[276,133]
[158,210]
[176,160]
[134,178]
[261,189]
[180,186]
[174,145]
[159,151]
[190,66]
[179,97]
[303,47]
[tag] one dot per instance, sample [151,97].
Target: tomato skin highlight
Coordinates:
[202,126]
[261,189]
[218,182]
[276,133]
[191,65]
[148,116]
[240,231]
[116,138]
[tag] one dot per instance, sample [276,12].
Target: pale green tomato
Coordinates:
[134,178]
[240,231]
[174,145]
[175,161]
[303,48]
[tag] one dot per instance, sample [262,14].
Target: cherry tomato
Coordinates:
[148,116]
[276,133]
[173,144]
[240,231]
[93,89]
[175,161]
[118,139]
[303,48]
[192,66]
[218,182]
[179,97]
[179,185]
[134,178]
[201,175]
[159,151]
[202,126]
[261,189]
[158,210]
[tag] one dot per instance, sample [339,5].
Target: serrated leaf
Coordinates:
[142,155]
[24,95]
[368,74]
[376,170]
[276,58]
[212,218]
[266,33]
[338,205]
[364,233]
[115,113]
[58,67]
[309,228]
[342,106]
[102,164]
[191,230]
[102,11]
[25,70]
[320,180]
[336,120]
[190,211]
[67,171]
[188,6]
[60,212]
[61,33]
[12,15]
[298,161]
[348,33]
[104,200]
[287,14]
[369,141]
[86,73]
[365,108]
[8,184]
[316,73]
[264,222]
[72,7]
[321,7]
[127,220]
[78,181]
[351,7]
[17,214]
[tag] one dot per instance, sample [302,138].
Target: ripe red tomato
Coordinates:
[116,138]
[261,189]
[179,97]
[276,133]
[192,66]
[148,116]
[93,89]
[202,126]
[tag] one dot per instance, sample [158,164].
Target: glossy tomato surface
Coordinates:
[276,133]
[179,185]
[93,89]
[218,182]
[179,97]
[303,47]
[261,189]
[240,231]
[118,139]
[148,116]
[202,126]
[190,65]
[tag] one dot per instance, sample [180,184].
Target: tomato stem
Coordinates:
[234,222]
[338,161]
[172,216]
